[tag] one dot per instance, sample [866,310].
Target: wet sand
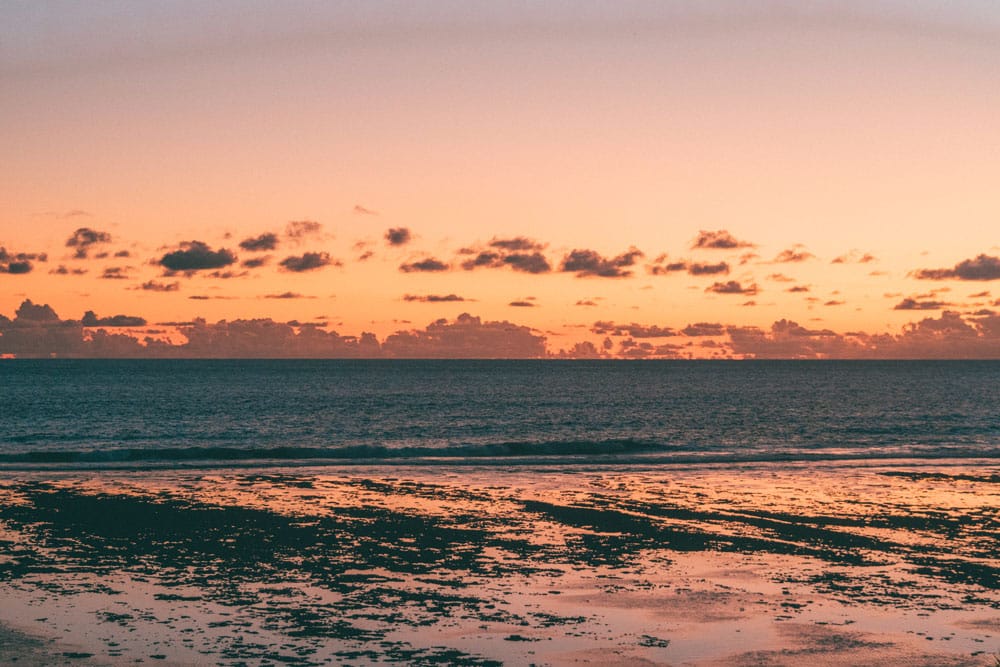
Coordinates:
[776,564]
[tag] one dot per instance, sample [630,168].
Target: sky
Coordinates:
[636,179]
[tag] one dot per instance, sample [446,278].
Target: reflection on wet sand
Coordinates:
[769,564]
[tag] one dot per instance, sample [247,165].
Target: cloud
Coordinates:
[92,320]
[307,262]
[516,244]
[255,262]
[115,273]
[433,298]
[718,240]
[287,295]
[266,241]
[467,337]
[528,263]
[660,266]
[913,304]
[76,213]
[792,255]
[586,302]
[297,229]
[196,256]
[398,236]
[704,329]
[732,287]
[519,253]
[361,210]
[365,256]
[587,263]
[85,237]
[153,286]
[798,288]
[708,269]
[19,263]
[854,256]
[428,265]
[634,330]
[227,275]
[522,304]
[123,253]
[62,270]
[982,267]
[834,302]
[643,350]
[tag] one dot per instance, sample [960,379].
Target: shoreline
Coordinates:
[771,565]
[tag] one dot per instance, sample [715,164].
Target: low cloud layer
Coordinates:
[427,265]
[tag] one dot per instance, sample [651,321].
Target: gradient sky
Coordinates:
[812,131]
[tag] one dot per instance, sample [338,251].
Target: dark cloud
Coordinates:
[433,298]
[720,240]
[798,288]
[732,287]
[153,286]
[660,266]
[485,259]
[266,241]
[589,263]
[522,304]
[397,236]
[115,273]
[297,229]
[85,237]
[914,304]
[792,255]
[62,270]
[227,275]
[634,330]
[586,302]
[196,256]
[517,244]
[508,252]
[980,295]
[582,350]
[287,295]
[704,329]
[255,262]
[982,267]
[429,264]
[19,263]
[92,320]
[361,210]
[528,263]
[834,302]
[365,256]
[708,269]
[123,253]
[307,262]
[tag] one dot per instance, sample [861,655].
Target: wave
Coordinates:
[612,451]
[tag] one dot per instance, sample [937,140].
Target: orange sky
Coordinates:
[840,130]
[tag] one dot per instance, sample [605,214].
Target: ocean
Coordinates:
[499,513]
[164,412]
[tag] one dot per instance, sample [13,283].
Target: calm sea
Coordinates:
[71,413]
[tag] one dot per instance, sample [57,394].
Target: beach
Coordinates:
[835,563]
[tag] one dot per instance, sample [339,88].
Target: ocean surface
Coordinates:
[165,413]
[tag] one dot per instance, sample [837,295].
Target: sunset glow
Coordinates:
[637,179]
